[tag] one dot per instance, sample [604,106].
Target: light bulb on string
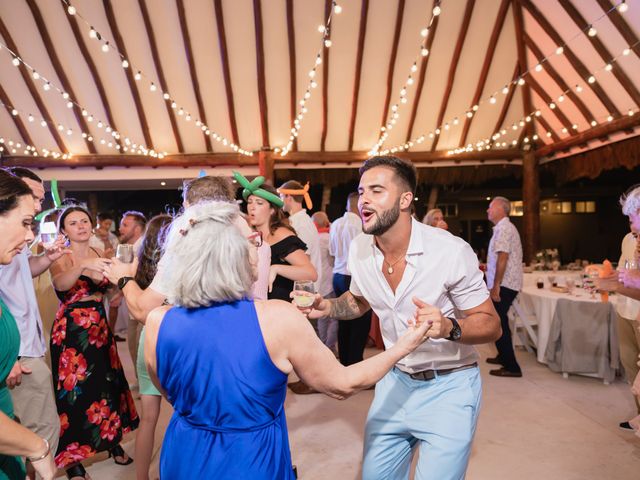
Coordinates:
[125,63]
[16,62]
[138,75]
[337,8]
[71,10]
[623,7]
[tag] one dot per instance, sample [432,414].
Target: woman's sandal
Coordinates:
[76,471]
[118,451]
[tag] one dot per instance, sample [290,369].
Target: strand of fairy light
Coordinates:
[423,52]
[48,85]
[12,147]
[591,79]
[589,30]
[326,42]
[153,85]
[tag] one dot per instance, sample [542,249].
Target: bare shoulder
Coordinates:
[277,312]
[281,233]
[154,319]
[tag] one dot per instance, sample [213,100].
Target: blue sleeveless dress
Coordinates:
[228,396]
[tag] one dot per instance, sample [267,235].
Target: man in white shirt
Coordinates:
[30,380]
[504,279]
[352,335]
[405,270]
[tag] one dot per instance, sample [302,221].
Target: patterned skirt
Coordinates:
[92,394]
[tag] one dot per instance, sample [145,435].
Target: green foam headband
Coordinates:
[253,188]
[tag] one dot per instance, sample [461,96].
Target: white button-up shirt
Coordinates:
[627,307]
[506,239]
[342,233]
[442,270]
[16,290]
[307,232]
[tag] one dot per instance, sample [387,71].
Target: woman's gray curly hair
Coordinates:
[630,201]
[207,258]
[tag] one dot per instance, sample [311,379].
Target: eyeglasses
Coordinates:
[255,239]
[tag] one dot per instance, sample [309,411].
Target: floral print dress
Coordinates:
[92,394]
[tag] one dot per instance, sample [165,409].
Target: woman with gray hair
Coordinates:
[222,359]
[435,218]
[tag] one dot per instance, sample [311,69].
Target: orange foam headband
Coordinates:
[304,192]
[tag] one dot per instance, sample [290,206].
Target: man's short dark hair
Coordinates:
[104,216]
[208,188]
[404,170]
[22,172]
[138,217]
[293,185]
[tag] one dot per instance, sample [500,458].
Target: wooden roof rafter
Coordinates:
[364,13]
[224,58]
[260,68]
[291,41]
[455,60]
[621,25]
[543,122]
[527,103]
[571,57]
[157,63]
[484,73]
[58,68]
[195,84]
[33,90]
[8,104]
[73,23]
[119,42]
[421,77]
[511,90]
[542,93]
[328,4]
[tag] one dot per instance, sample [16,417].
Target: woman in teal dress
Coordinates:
[16,217]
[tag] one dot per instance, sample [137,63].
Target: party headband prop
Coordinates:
[253,188]
[56,201]
[304,191]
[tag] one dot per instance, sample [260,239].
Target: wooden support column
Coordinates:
[266,163]
[531,205]
[433,198]
[92,204]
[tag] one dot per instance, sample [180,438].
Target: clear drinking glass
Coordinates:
[303,293]
[124,253]
[630,265]
[571,283]
[48,233]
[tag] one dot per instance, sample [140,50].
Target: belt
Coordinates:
[431,374]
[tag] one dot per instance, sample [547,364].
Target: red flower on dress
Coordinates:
[71,369]
[97,335]
[64,423]
[113,356]
[109,428]
[74,453]
[98,411]
[59,332]
[85,317]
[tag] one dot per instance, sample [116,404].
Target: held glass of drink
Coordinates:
[303,293]
[124,253]
[630,265]
[48,233]
[540,282]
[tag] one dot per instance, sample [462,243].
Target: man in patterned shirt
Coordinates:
[504,279]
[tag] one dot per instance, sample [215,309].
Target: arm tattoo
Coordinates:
[346,307]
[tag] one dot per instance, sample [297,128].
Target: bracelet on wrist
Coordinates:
[35,459]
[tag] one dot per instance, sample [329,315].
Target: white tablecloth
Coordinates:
[530,279]
[543,304]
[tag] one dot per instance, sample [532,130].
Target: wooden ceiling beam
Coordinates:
[57,66]
[224,57]
[8,104]
[325,78]
[421,77]
[488,59]
[117,38]
[260,66]
[554,136]
[455,60]
[548,100]
[33,90]
[604,53]
[621,25]
[586,113]
[195,84]
[157,63]
[73,23]
[291,38]
[575,62]
[364,13]
[599,131]
[392,60]
[527,104]
[507,100]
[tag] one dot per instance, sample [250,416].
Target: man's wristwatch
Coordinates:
[122,281]
[456,332]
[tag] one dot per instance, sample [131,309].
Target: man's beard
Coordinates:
[384,221]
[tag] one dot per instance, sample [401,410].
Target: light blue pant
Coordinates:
[438,416]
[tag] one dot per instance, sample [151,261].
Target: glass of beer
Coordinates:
[303,293]
[124,253]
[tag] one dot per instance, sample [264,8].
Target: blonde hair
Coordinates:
[430,216]
[207,257]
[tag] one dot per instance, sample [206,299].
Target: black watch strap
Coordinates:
[122,281]
[456,331]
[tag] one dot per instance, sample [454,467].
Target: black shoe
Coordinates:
[118,451]
[494,360]
[118,338]
[626,426]
[76,471]
[503,372]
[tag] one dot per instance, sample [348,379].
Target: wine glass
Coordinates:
[303,293]
[552,280]
[571,283]
[630,265]
[124,253]
[48,233]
